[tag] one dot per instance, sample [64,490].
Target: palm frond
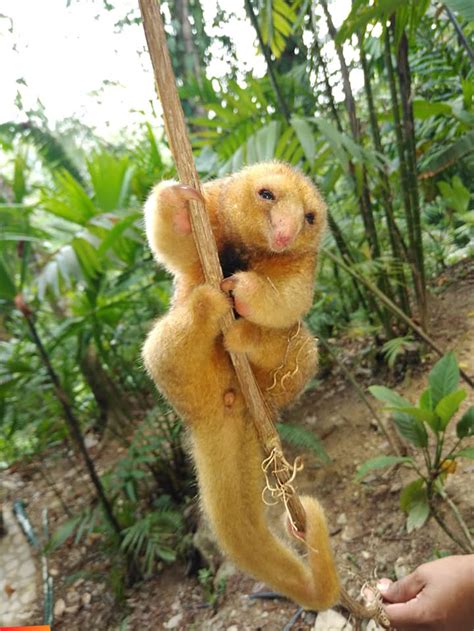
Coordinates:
[303,438]
[49,148]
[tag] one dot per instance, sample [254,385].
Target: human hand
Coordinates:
[437,596]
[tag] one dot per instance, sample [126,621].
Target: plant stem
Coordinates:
[427,459]
[462,38]
[452,450]
[459,519]
[446,529]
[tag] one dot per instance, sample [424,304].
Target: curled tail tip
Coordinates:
[321,558]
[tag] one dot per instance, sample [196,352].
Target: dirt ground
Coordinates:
[366,523]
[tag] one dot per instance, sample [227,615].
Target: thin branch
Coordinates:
[440,521]
[459,518]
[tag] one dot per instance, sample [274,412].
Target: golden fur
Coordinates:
[268,219]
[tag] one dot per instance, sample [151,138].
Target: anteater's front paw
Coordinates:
[244,288]
[174,198]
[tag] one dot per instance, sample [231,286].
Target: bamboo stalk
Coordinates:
[408,127]
[332,224]
[396,240]
[322,65]
[403,166]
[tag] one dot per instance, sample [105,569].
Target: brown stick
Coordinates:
[263,416]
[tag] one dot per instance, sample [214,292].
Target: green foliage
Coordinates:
[302,438]
[437,406]
[410,427]
[380,462]
[465,427]
[155,457]
[414,502]
[75,529]
[455,194]
[49,148]
[395,347]
[153,539]
[463,7]
[443,378]
[212,592]
[278,20]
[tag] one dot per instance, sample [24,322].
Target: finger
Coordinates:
[371,593]
[188,192]
[403,590]
[404,616]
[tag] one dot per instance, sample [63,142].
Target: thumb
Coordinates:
[403,590]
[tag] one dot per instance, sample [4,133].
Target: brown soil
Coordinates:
[367,525]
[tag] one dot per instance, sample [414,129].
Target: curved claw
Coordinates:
[187,192]
[175,198]
[229,284]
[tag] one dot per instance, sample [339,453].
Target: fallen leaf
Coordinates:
[9,590]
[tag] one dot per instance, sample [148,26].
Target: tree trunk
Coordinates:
[404,77]
[186,34]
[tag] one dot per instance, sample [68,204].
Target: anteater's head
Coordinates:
[274,207]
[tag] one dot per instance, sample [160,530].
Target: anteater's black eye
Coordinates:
[264,193]
[310,218]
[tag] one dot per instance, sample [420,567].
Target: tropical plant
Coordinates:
[155,537]
[425,427]
[213,592]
